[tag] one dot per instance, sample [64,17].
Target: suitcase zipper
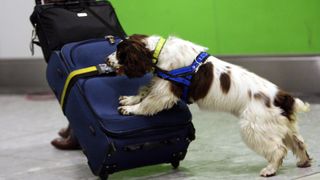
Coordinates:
[107,39]
[134,133]
[79,44]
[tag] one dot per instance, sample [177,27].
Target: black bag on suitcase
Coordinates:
[62,22]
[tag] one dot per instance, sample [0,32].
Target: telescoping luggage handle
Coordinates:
[99,69]
[39,2]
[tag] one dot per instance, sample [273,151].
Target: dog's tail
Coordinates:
[300,106]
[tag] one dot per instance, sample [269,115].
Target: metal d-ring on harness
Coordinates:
[183,76]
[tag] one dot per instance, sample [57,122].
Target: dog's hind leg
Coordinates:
[296,143]
[266,139]
[275,158]
[301,152]
[271,147]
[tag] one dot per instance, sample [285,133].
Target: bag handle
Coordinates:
[120,34]
[38,2]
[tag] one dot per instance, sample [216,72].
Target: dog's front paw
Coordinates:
[123,100]
[129,100]
[268,172]
[125,110]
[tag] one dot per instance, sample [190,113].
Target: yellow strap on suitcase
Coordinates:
[84,72]
[99,69]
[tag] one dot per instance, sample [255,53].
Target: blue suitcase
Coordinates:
[110,141]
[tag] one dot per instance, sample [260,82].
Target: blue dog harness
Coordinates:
[183,76]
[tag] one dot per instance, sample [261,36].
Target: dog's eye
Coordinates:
[118,55]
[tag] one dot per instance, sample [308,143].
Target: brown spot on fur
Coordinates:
[286,102]
[225,82]
[176,89]
[250,94]
[264,97]
[201,82]
[134,57]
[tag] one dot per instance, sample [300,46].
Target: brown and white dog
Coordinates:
[267,114]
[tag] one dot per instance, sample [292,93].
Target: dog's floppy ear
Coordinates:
[137,37]
[135,58]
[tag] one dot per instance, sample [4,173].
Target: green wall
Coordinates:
[229,27]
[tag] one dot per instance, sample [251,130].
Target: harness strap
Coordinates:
[184,75]
[81,73]
[181,80]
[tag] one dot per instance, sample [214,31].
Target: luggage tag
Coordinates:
[105,69]
[111,39]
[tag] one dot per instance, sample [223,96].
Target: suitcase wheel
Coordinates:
[104,177]
[175,164]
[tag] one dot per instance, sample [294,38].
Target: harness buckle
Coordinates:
[196,65]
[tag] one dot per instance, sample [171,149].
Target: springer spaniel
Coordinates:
[267,114]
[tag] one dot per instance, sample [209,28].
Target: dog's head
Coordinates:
[132,57]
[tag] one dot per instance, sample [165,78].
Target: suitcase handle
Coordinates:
[38,2]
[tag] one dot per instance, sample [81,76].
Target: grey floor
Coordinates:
[28,123]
